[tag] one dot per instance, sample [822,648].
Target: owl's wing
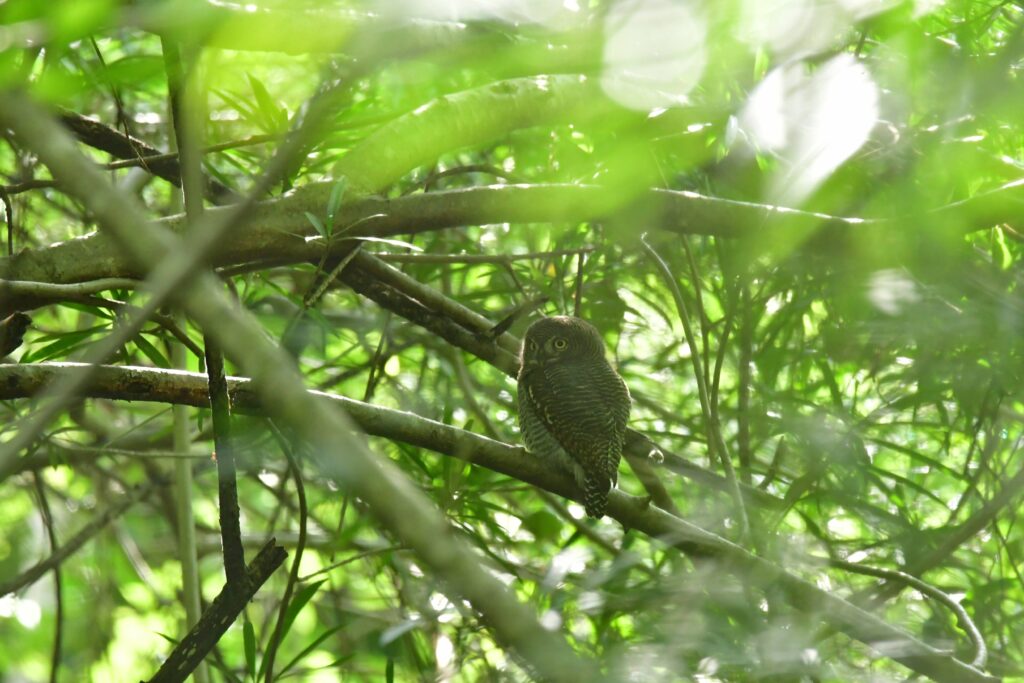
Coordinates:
[535,427]
[585,408]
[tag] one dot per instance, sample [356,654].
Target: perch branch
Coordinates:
[151,384]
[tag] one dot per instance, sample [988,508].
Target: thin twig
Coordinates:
[500,259]
[33,574]
[317,291]
[293,576]
[489,169]
[354,558]
[702,316]
[58,591]
[171,156]
[503,325]
[184,516]
[314,294]
[966,623]
[746,361]
[577,302]
[46,290]
[376,364]
[5,196]
[227,486]
[715,441]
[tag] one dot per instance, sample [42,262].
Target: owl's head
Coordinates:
[560,338]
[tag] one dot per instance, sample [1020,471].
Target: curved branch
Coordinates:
[715,441]
[968,625]
[172,386]
[278,229]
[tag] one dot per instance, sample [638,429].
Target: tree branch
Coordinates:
[148,384]
[225,608]
[398,506]
[121,146]
[278,229]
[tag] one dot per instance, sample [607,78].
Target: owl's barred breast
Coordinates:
[542,443]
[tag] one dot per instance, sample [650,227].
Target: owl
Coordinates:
[573,406]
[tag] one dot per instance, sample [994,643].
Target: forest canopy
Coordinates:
[267,273]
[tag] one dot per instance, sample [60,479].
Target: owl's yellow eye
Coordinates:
[561,343]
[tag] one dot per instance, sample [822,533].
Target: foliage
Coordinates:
[855,359]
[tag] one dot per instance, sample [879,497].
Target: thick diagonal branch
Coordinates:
[221,614]
[190,388]
[397,504]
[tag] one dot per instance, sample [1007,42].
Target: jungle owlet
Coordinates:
[573,406]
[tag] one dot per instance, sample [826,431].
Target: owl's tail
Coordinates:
[595,495]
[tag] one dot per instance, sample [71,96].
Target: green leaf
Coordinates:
[544,525]
[273,116]
[364,219]
[334,202]
[1001,249]
[151,352]
[136,71]
[97,311]
[65,344]
[247,111]
[249,644]
[313,645]
[317,224]
[299,601]
[414,455]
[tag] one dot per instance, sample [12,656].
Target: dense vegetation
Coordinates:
[795,223]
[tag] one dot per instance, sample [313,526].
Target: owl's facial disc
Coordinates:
[532,356]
